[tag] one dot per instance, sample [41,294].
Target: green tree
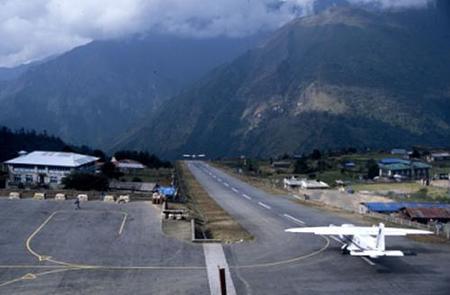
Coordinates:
[99,154]
[372,169]
[110,171]
[316,154]
[322,165]
[301,166]
[415,154]
[85,182]
[252,166]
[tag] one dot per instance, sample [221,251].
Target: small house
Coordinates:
[425,215]
[438,157]
[126,165]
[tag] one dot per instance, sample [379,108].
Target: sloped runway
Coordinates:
[284,263]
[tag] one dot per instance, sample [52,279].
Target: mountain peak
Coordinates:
[340,15]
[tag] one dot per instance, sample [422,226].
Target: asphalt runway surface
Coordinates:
[285,263]
[47,247]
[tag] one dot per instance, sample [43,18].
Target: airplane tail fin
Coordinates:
[380,245]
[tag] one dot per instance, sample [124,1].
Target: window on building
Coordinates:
[53,179]
[17,178]
[28,178]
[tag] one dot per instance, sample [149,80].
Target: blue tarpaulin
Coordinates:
[396,206]
[167,191]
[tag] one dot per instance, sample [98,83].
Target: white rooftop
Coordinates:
[46,158]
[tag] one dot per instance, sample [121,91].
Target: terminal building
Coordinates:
[41,168]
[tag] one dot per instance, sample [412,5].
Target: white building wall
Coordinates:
[52,175]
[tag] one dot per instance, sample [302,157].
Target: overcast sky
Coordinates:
[34,29]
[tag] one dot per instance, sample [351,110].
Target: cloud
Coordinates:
[32,30]
[394,4]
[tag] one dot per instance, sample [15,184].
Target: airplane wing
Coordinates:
[357,230]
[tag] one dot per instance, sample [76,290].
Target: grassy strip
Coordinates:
[217,223]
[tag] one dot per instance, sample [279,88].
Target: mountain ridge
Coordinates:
[340,78]
[95,92]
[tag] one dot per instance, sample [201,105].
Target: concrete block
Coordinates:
[123,199]
[83,197]
[39,196]
[60,197]
[109,198]
[15,195]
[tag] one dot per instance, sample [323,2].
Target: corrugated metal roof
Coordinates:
[46,158]
[388,161]
[129,164]
[397,164]
[397,206]
[394,167]
[428,213]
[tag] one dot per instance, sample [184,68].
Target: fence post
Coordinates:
[223,285]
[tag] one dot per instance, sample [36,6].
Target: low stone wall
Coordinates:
[443,230]
[71,194]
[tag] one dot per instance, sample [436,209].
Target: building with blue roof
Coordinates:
[400,168]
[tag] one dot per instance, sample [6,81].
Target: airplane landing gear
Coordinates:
[345,251]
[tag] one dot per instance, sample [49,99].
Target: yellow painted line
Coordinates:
[25,266]
[32,276]
[123,268]
[296,259]
[39,257]
[49,258]
[11,281]
[64,266]
[123,223]
[52,272]
[29,276]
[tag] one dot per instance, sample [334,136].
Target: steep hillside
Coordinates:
[344,77]
[98,91]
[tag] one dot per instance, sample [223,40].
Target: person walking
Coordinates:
[77,203]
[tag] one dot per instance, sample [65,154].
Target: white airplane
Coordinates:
[362,240]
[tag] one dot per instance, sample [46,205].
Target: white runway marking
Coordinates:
[234,190]
[123,224]
[264,205]
[226,184]
[298,197]
[293,219]
[215,258]
[247,197]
